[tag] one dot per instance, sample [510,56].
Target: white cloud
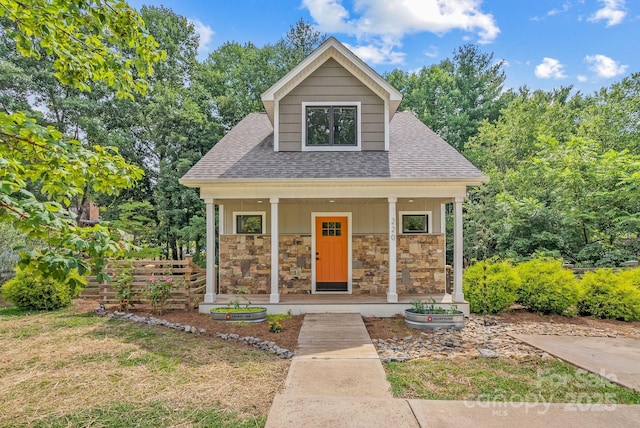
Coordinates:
[206,34]
[431,52]
[380,25]
[604,66]
[582,78]
[565,7]
[612,11]
[377,54]
[550,68]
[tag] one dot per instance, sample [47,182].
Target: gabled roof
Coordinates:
[415,152]
[331,48]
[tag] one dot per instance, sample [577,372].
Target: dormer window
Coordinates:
[331,126]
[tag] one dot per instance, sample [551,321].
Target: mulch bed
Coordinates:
[287,338]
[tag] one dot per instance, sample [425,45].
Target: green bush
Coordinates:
[490,286]
[609,295]
[546,287]
[632,276]
[30,292]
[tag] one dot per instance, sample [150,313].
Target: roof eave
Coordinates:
[202,182]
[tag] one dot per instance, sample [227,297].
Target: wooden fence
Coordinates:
[188,278]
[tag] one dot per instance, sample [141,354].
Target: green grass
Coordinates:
[65,368]
[500,379]
[156,414]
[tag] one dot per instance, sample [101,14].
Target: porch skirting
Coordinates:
[245,264]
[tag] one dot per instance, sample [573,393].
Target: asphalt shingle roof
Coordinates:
[415,151]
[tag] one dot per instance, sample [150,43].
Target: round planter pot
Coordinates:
[433,321]
[253,316]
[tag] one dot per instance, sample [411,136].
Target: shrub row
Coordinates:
[542,285]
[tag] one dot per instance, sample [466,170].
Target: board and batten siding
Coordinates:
[295,218]
[331,82]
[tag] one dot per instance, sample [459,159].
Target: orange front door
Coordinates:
[332,236]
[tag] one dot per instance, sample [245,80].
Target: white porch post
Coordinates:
[275,277]
[392,295]
[210,292]
[458,295]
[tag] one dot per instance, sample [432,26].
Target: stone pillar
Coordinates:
[458,295]
[210,293]
[275,269]
[392,295]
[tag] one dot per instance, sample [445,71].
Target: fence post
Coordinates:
[188,270]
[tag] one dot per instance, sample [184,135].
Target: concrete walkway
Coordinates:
[336,379]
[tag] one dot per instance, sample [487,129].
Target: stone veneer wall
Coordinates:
[295,264]
[420,264]
[245,261]
[370,264]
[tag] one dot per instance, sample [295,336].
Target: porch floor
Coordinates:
[330,298]
[366,305]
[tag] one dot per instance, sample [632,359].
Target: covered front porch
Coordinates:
[276,262]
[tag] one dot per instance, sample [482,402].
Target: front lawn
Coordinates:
[504,380]
[70,368]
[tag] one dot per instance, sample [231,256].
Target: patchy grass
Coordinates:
[66,368]
[499,379]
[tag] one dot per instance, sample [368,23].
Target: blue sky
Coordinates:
[544,43]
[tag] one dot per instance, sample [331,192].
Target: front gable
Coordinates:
[331,85]
[332,81]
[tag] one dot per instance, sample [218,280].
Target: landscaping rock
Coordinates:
[482,336]
[488,353]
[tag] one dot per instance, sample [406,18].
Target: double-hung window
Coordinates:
[331,127]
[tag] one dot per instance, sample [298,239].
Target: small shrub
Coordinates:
[123,284]
[490,286]
[33,292]
[546,287]
[609,295]
[159,292]
[275,327]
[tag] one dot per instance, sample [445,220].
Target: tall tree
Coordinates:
[454,97]
[80,37]
[236,75]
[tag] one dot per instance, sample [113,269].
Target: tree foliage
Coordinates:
[44,169]
[454,97]
[559,183]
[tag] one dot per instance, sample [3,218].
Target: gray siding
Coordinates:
[295,218]
[331,82]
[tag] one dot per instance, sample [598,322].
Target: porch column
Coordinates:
[443,230]
[275,295]
[392,295]
[458,295]
[210,292]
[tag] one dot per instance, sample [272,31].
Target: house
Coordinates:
[332,200]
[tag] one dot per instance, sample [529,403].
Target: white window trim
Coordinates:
[356,148]
[429,215]
[238,213]
[349,250]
